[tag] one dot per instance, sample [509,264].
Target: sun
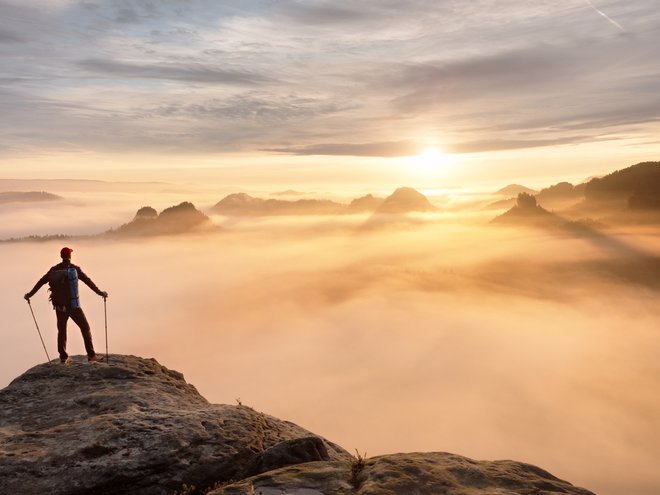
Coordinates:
[430,162]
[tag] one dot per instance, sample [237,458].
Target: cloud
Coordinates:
[538,71]
[410,148]
[525,90]
[7,36]
[382,149]
[511,144]
[323,12]
[177,72]
[253,106]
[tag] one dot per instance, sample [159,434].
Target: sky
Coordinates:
[314,89]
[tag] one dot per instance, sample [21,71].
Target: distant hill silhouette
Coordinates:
[182,218]
[502,204]
[244,204]
[527,211]
[363,204]
[636,187]
[27,197]
[561,191]
[146,213]
[514,190]
[405,200]
[560,195]
[645,199]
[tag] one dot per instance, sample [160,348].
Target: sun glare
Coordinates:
[430,162]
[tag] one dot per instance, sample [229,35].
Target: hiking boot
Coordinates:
[95,359]
[66,362]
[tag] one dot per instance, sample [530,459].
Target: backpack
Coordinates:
[63,287]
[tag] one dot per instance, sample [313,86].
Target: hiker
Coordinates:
[63,280]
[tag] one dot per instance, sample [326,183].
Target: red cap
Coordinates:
[65,252]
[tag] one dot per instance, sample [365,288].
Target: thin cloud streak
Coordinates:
[408,148]
[186,73]
[609,19]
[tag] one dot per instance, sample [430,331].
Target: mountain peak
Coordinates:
[514,190]
[526,211]
[405,200]
[177,219]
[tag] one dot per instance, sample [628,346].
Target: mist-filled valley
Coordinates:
[434,331]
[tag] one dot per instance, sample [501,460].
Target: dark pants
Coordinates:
[77,315]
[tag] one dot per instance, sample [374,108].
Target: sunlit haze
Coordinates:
[315,295]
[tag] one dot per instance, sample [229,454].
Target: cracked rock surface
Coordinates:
[134,426]
[434,473]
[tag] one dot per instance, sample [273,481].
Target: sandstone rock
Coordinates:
[133,427]
[136,427]
[406,474]
[287,453]
[180,219]
[527,211]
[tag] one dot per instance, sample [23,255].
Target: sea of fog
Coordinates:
[428,333]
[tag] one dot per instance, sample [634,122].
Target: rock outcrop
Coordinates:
[527,211]
[179,219]
[135,427]
[558,196]
[406,474]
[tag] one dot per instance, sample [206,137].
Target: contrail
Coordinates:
[612,21]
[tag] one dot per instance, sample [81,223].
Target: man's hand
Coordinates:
[104,294]
[27,297]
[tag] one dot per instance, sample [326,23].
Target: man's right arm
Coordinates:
[42,281]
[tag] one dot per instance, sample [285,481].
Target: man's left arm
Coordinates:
[88,281]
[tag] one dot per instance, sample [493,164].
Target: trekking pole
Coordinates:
[105,314]
[38,331]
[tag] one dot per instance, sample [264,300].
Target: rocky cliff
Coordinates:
[434,473]
[527,211]
[135,427]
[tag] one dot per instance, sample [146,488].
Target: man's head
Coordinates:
[65,253]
